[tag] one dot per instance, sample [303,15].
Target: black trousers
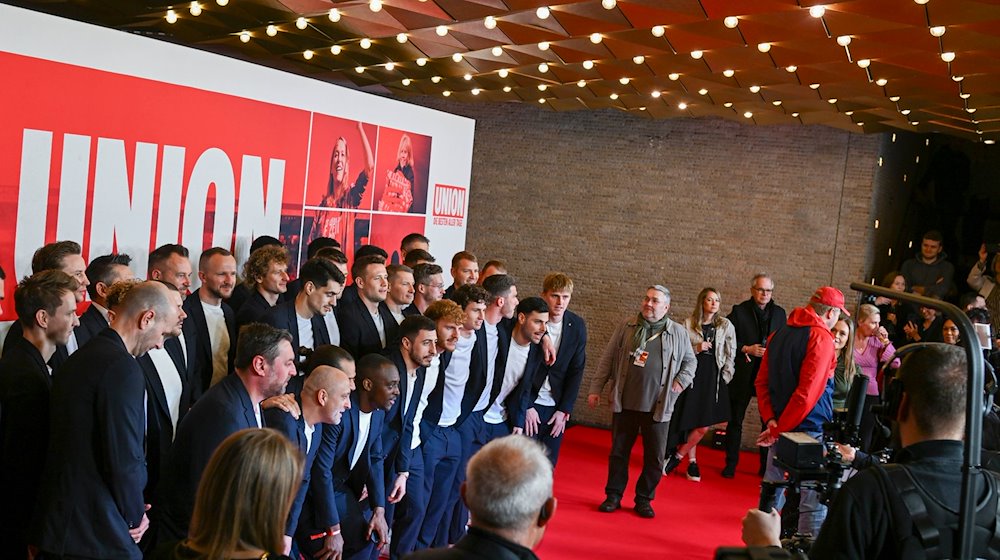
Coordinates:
[625,427]
[738,402]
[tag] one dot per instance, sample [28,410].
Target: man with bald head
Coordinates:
[325,396]
[96,470]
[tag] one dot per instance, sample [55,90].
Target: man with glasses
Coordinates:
[428,285]
[754,319]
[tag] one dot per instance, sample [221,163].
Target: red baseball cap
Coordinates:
[828,295]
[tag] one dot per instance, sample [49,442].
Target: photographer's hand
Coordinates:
[846,453]
[762,529]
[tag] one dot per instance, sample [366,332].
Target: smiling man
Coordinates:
[214,321]
[366,323]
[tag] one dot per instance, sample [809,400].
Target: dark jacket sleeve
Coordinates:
[283,422]
[321,483]
[574,372]
[121,422]
[376,477]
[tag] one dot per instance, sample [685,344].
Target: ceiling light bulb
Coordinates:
[366,43]
[731,22]
[623,81]
[543,46]
[958,78]
[655,94]
[436,79]
[915,123]
[849,113]
[921,2]
[171,16]
[441,30]
[609,4]
[948,56]
[791,69]
[990,142]
[541,100]
[817,11]
[795,115]
[938,30]
[195,9]
[965,95]
[421,61]
[638,59]
[864,63]
[271,30]
[813,86]
[245,36]
[390,66]
[457,57]
[894,98]
[308,55]
[375,5]
[596,38]
[497,51]
[334,15]
[764,47]
[702,91]
[446,93]
[407,81]
[542,87]
[335,50]
[657,31]
[682,106]
[844,40]
[301,23]
[222,2]
[503,72]
[588,64]
[727,104]
[360,69]
[543,68]
[881,82]
[905,111]
[490,22]
[506,89]
[613,96]
[697,54]
[748,114]
[674,76]
[581,83]
[542,12]
[971,109]
[754,89]
[728,73]
[475,91]
[401,38]
[468,77]
[832,101]
[776,103]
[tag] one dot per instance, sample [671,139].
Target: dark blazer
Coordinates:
[91,323]
[449,291]
[253,310]
[473,388]
[16,332]
[397,434]
[411,310]
[159,428]
[238,297]
[295,430]
[224,410]
[566,374]
[517,402]
[95,472]
[432,412]
[293,288]
[282,316]
[332,473]
[477,544]
[24,435]
[202,342]
[358,334]
[747,334]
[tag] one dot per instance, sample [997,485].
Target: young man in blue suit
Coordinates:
[322,283]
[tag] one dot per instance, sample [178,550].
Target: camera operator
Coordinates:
[868,518]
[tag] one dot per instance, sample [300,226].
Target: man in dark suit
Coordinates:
[240,293]
[555,388]
[337,519]
[171,263]
[303,317]
[213,320]
[754,320]
[366,324]
[325,395]
[312,250]
[265,275]
[464,270]
[516,468]
[103,272]
[264,363]
[92,504]
[46,308]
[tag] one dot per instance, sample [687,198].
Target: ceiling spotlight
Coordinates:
[965,95]
[674,76]
[638,59]
[195,9]
[335,50]
[543,68]
[360,69]
[407,81]
[581,83]
[490,22]
[958,78]
[609,4]
[795,115]
[623,81]
[441,30]
[222,2]
[588,64]
[894,98]
[832,101]
[754,89]
[849,113]
[613,96]
[302,23]
[308,55]
[776,103]
[881,82]
[844,40]
[971,110]
[542,87]
[702,91]
[697,54]
[503,72]
[728,73]
[905,112]
[748,114]
[446,93]
[813,86]
[596,38]
[334,15]
[938,30]
[791,68]
[506,89]
[271,30]
[543,46]
[817,11]
[475,91]
[245,36]
[864,63]
[457,57]
[541,100]
[657,31]
[655,94]
[543,12]
[421,61]
[390,66]
[948,56]
[436,79]
[915,123]
[764,47]
[990,142]
[171,16]
[468,77]
[497,51]
[727,104]
[366,43]
[731,22]
[682,106]
[375,5]
[921,2]
[860,124]
[401,38]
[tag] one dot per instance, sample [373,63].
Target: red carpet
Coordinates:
[692,518]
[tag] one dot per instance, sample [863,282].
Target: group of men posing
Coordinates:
[388,384]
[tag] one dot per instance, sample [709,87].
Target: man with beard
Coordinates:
[428,285]
[213,319]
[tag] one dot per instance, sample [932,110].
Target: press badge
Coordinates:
[640,358]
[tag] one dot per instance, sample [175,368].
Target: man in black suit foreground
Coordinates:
[508,490]
[91,504]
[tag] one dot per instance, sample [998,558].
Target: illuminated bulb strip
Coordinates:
[335,50]
[271,31]
[731,22]
[195,9]
[334,15]
[308,55]
[658,31]
[817,11]
[301,23]
[171,16]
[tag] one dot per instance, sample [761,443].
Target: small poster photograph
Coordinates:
[341,163]
[402,167]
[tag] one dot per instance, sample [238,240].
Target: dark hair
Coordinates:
[42,290]
[366,250]
[979,315]
[101,269]
[370,365]
[3,275]
[497,264]
[412,325]
[163,253]
[394,269]
[332,254]
[211,252]
[327,355]
[362,263]
[533,304]
[934,378]
[258,339]
[414,255]
[462,256]
[319,272]
[470,293]
[934,235]
[51,255]
[889,278]
[320,243]
[264,241]
[413,238]
[499,285]
[967,299]
[422,272]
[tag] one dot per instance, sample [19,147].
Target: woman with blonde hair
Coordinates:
[243,500]
[872,349]
[398,194]
[706,402]
[847,368]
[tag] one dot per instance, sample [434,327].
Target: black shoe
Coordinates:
[729,471]
[693,472]
[672,462]
[644,509]
[609,504]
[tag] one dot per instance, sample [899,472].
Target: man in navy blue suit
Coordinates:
[555,388]
[103,272]
[338,519]
[92,503]
[264,363]
[322,283]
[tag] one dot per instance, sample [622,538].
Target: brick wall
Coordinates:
[620,202]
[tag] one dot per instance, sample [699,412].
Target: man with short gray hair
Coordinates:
[648,362]
[508,491]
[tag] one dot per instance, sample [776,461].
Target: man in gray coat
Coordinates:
[648,362]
